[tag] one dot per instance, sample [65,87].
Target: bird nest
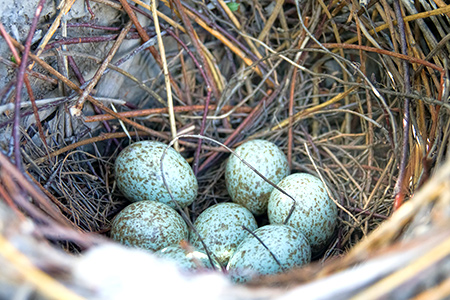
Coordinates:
[354,93]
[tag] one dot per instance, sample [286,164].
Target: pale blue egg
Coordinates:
[221,228]
[138,174]
[244,185]
[315,214]
[149,225]
[288,245]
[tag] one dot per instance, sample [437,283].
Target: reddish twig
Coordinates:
[194,38]
[202,130]
[113,135]
[5,196]
[164,110]
[399,185]
[413,60]
[19,85]
[82,40]
[88,6]
[210,84]
[28,87]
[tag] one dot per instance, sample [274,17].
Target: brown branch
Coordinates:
[385,52]
[164,110]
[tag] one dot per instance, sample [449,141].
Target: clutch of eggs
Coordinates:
[228,230]
[138,174]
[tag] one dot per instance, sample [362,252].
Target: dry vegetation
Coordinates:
[356,94]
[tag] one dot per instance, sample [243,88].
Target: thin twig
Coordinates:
[399,185]
[173,126]
[78,107]
[19,85]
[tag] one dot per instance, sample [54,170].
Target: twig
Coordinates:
[78,107]
[19,85]
[164,110]
[399,185]
[385,52]
[28,87]
[194,38]
[313,109]
[173,126]
[108,136]
[202,131]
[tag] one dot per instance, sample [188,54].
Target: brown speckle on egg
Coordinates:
[220,227]
[245,186]
[149,225]
[315,214]
[138,174]
[289,246]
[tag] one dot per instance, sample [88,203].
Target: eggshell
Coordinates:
[139,177]
[289,246]
[150,225]
[220,227]
[185,259]
[244,185]
[315,214]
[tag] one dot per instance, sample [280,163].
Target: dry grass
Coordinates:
[353,94]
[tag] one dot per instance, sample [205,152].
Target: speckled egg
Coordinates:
[288,245]
[220,227]
[188,260]
[244,185]
[149,225]
[139,177]
[315,214]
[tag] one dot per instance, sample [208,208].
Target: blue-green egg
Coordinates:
[314,214]
[277,249]
[150,225]
[245,186]
[138,174]
[221,228]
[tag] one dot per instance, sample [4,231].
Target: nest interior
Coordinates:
[353,92]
